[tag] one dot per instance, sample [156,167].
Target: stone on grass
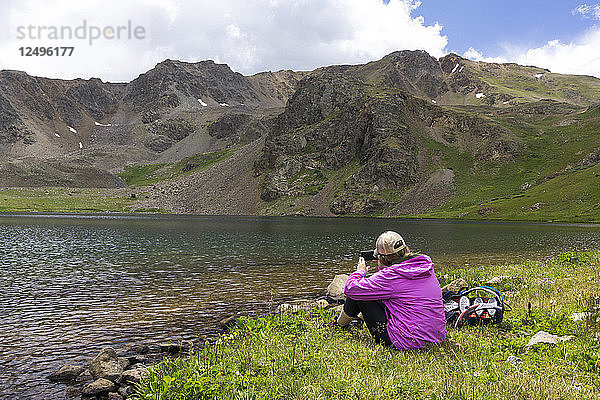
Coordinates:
[547,338]
[514,360]
[497,279]
[335,290]
[99,386]
[580,316]
[66,373]
[338,309]
[107,365]
[297,306]
[455,286]
[322,303]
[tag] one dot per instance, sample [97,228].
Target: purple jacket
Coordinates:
[412,297]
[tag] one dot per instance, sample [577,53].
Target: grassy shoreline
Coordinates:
[85,201]
[300,357]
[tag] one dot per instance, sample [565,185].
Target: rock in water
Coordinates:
[99,386]
[114,396]
[107,365]
[548,338]
[134,375]
[335,290]
[66,373]
[85,376]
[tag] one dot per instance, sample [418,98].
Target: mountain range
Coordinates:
[406,135]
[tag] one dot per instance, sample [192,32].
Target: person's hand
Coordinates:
[362,265]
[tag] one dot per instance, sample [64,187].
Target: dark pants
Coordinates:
[375,317]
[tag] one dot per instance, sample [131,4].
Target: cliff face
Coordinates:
[405,134]
[160,116]
[338,118]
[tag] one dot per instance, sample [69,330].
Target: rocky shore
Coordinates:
[112,374]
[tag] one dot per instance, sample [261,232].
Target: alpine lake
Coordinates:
[71,285]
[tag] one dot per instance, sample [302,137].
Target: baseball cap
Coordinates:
[389,242]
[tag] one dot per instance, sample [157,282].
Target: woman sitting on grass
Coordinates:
[402,302]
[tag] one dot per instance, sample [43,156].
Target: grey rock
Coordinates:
[124,362]
[581,316]
[297,306]
[114,396]
[66,373]
[514,360]
[228,322]
[498,279]
[170,347]
[154,348]
[547,338]
[322,303]
[134,375]
[335,290]
[85,376]
[455,286]
[73,391]
[107,365]
[138,348]
[126,390]
[99,386]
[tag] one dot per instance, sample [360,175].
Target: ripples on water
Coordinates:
[72,285]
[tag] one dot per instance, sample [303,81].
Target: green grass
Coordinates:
[144,175]
[301,357]
[519,81]
[58,199]
[548,163]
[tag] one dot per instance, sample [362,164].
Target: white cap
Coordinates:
[389,243]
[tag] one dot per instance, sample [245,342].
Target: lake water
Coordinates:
[70,285]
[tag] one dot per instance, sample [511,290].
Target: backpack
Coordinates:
[476,305]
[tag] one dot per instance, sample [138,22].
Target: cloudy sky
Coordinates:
[259,35]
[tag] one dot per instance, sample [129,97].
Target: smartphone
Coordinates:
[368,255]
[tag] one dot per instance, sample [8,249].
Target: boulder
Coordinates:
[228,322]
[548,338]
[114,396]
[498,279]
[514,360]
[580,316]
[134,375]
[85,376]
[66,373]
[73,391]
[296,306]
[138,348]
[108,365]
[99,386]
[335,290]
[322,303]
[126,390]
[455,286]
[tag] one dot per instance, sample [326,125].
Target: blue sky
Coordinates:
[487,25]
[260,35]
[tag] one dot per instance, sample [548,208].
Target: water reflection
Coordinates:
[70,285]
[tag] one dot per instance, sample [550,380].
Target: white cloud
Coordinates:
[249,36]
[588,11]
[580,56]
[475,55]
